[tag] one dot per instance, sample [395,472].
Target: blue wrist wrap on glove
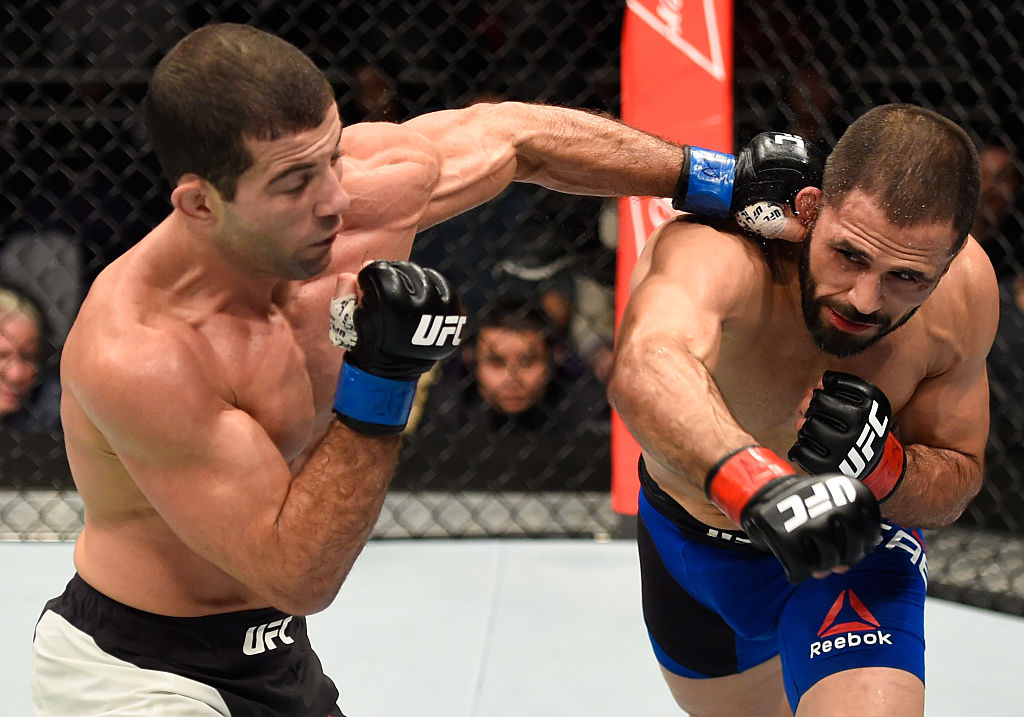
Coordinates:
[711,175]
[372,399]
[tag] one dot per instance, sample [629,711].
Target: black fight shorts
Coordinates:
[92,655]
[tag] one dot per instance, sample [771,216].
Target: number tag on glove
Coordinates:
[343,327]
[764,218]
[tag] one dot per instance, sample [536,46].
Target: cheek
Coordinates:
[535,378]
[488,378]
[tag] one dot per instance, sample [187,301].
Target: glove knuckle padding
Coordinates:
[830,410]
[773,169]
[408,317]
[840,382]
[396,297]
[835,421]
[810,528]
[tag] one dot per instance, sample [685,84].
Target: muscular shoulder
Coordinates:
[963,311]
[382,146]
[389,170]
[724,266]
[122,351]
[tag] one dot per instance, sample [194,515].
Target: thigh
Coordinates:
[845,631]
[692,634]
[857,692]
[755,692]
[713,666]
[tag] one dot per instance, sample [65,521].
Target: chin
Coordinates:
[309,270]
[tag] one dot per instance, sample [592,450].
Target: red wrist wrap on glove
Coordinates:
[890,469]
[735,478]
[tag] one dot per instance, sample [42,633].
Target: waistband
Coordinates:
[689,526]
[246,641]
[260,661]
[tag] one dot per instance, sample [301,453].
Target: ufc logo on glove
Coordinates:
[826,495]
[860,454]
[435,330]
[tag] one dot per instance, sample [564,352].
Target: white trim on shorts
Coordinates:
[72,677]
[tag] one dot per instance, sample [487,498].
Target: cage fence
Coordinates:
[80,186]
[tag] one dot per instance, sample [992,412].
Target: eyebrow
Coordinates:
[305,166]
[846,246]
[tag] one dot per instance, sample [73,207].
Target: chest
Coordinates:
[767,378]
[282,369]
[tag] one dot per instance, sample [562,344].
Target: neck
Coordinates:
[196,267]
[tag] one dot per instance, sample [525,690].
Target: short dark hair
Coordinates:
[515,314]
[920,166]
[220,85]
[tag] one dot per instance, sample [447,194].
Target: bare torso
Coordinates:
[768,366]
[278,366]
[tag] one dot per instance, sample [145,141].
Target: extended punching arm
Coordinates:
[769,171]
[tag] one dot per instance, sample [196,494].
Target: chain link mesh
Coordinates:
[80,186]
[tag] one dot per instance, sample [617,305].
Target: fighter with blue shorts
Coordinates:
[797,404]
[715,605]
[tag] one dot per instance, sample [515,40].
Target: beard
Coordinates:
[828,338]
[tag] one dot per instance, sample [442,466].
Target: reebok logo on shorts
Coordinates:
[848,623]
[260,638]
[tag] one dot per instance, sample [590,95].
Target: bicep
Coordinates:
[950,411]
[476,160]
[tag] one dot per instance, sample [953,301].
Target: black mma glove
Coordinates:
[810,523]
[848,429]
[408,318]
[772,168]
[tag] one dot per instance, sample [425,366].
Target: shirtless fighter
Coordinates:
[858,354]
[230,477]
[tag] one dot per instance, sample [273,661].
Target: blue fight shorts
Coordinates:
[714,605]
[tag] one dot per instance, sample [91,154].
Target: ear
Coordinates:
[196,198]
[807,201]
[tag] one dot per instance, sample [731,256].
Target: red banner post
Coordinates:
[677,84]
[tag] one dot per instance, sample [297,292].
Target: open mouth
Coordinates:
[844,324]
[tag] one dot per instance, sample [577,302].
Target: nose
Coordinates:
[866,293]
[18,373]
[335,200]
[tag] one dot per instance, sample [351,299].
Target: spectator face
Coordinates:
[513,368]
[1000,182]
[19,359]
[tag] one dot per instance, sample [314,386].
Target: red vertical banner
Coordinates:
[677,84]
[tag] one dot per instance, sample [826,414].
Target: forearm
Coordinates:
[672,406]
[580,152]
[328,515]
[936,488]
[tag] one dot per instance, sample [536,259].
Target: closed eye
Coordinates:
[303,183]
